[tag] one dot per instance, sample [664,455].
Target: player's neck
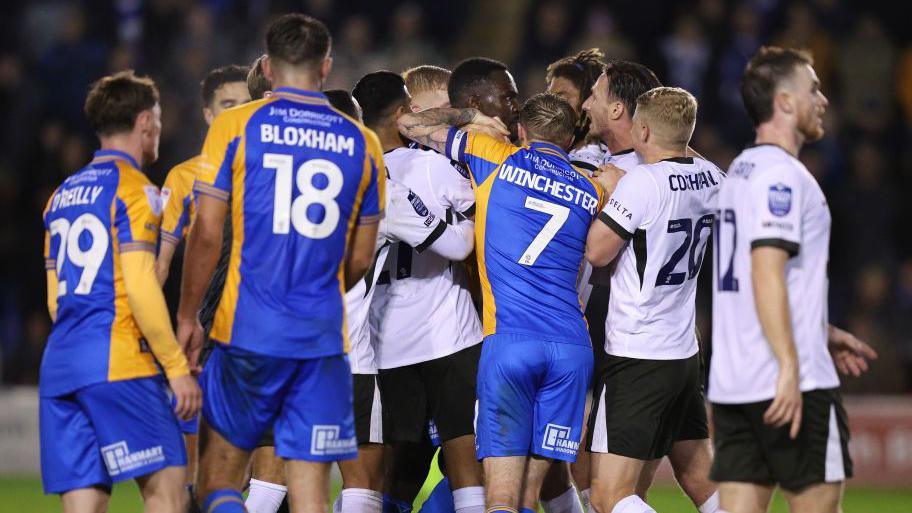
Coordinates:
[125,142]
[302,81]
[786,137]
[618,139]
[389,136]
[652,154]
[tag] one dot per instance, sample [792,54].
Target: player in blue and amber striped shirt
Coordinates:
[533,211]
[305,186]
[105,415]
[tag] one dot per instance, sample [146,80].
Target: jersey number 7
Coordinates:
[559,215]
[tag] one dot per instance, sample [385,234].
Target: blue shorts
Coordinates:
[108,432]
[531,397]
[187,427]
[307,402]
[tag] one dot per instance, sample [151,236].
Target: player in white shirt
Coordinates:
[611,106]
[424,327]
[777,414]
[657,223]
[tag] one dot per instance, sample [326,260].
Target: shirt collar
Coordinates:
[300,92]
[542,145]
[114,154]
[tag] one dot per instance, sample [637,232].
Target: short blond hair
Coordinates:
[670,113]
[425,78]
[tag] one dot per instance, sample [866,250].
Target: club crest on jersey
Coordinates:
[780,199]
[154,198]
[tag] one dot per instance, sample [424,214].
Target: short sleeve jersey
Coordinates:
[769,199]
[299,175]
[665,210]
[103,210]
[533,212]
[178,206]
[406,220]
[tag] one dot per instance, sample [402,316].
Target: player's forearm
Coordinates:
[456,242]
[602,244]
[147,303]
[52,293]
[163,262]
[203,248]
[430,127]
[771,302]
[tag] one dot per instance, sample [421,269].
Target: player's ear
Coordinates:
[474,102]
[145,121]
[325,68]
[523,135]
[617,110]
[267,69]
[208,115]
[783,101]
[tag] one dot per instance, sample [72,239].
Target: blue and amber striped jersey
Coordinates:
[533,211]
[178,206]
[299,176]
[103,210]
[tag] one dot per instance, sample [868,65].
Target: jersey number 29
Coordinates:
[89,259]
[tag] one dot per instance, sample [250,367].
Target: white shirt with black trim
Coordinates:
[588,158]
[665,210]
[422,308]
[769,199]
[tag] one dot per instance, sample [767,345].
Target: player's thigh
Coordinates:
[503,480]
[86,500]
[647,476]
[633,407]
[222,464]
[266,466]
[613,478]
[70,452]
[243,393]
[735,497]
[403,394]
[316,422]
[560,402]
[817,498]
[367,470]
[451,384]
[691,461]
[136,428]
[164,490]
[508,376]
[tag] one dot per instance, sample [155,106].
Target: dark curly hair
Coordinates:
[582,69]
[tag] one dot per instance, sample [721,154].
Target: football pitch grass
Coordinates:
[22,494]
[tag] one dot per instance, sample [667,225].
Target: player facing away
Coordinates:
[105,415]
[306,188]
[222,89]
[777,413]
[611,107]
[657,222]
[533,212]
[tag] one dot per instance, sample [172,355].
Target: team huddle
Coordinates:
[425,262]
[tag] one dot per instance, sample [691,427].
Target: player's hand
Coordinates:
[786,406]
[187,395]
[487,130]
[190,336]
[608,176]
[850,354]
[488,124]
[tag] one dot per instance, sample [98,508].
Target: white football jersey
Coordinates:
[769,199]
[422,308]
[666,211]
[588,158]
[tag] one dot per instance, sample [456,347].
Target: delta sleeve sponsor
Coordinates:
[628,207]
[775,204]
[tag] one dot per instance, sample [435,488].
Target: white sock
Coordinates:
[264,497]
[567,502]
[632,504]
[584,498]
[360,500]
[470,499]
[712,504]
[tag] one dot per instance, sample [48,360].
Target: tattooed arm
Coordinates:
[430,127]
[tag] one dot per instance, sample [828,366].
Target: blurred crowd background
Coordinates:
[50,51]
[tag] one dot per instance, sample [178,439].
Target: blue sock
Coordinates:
[528,510]
[224,501]
[440,500]
[394,505]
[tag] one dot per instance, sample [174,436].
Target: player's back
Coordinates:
[533,215]
[653,289]
[97,213]
[300,176]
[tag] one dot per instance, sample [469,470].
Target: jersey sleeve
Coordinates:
[217,158]
[137,215]
[775,206]
[630,206]
[177,205]
[374,196]
[409,220]
[481,153]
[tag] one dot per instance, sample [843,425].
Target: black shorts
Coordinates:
[368,409]
[640,408]
[748,450]
[442,390]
